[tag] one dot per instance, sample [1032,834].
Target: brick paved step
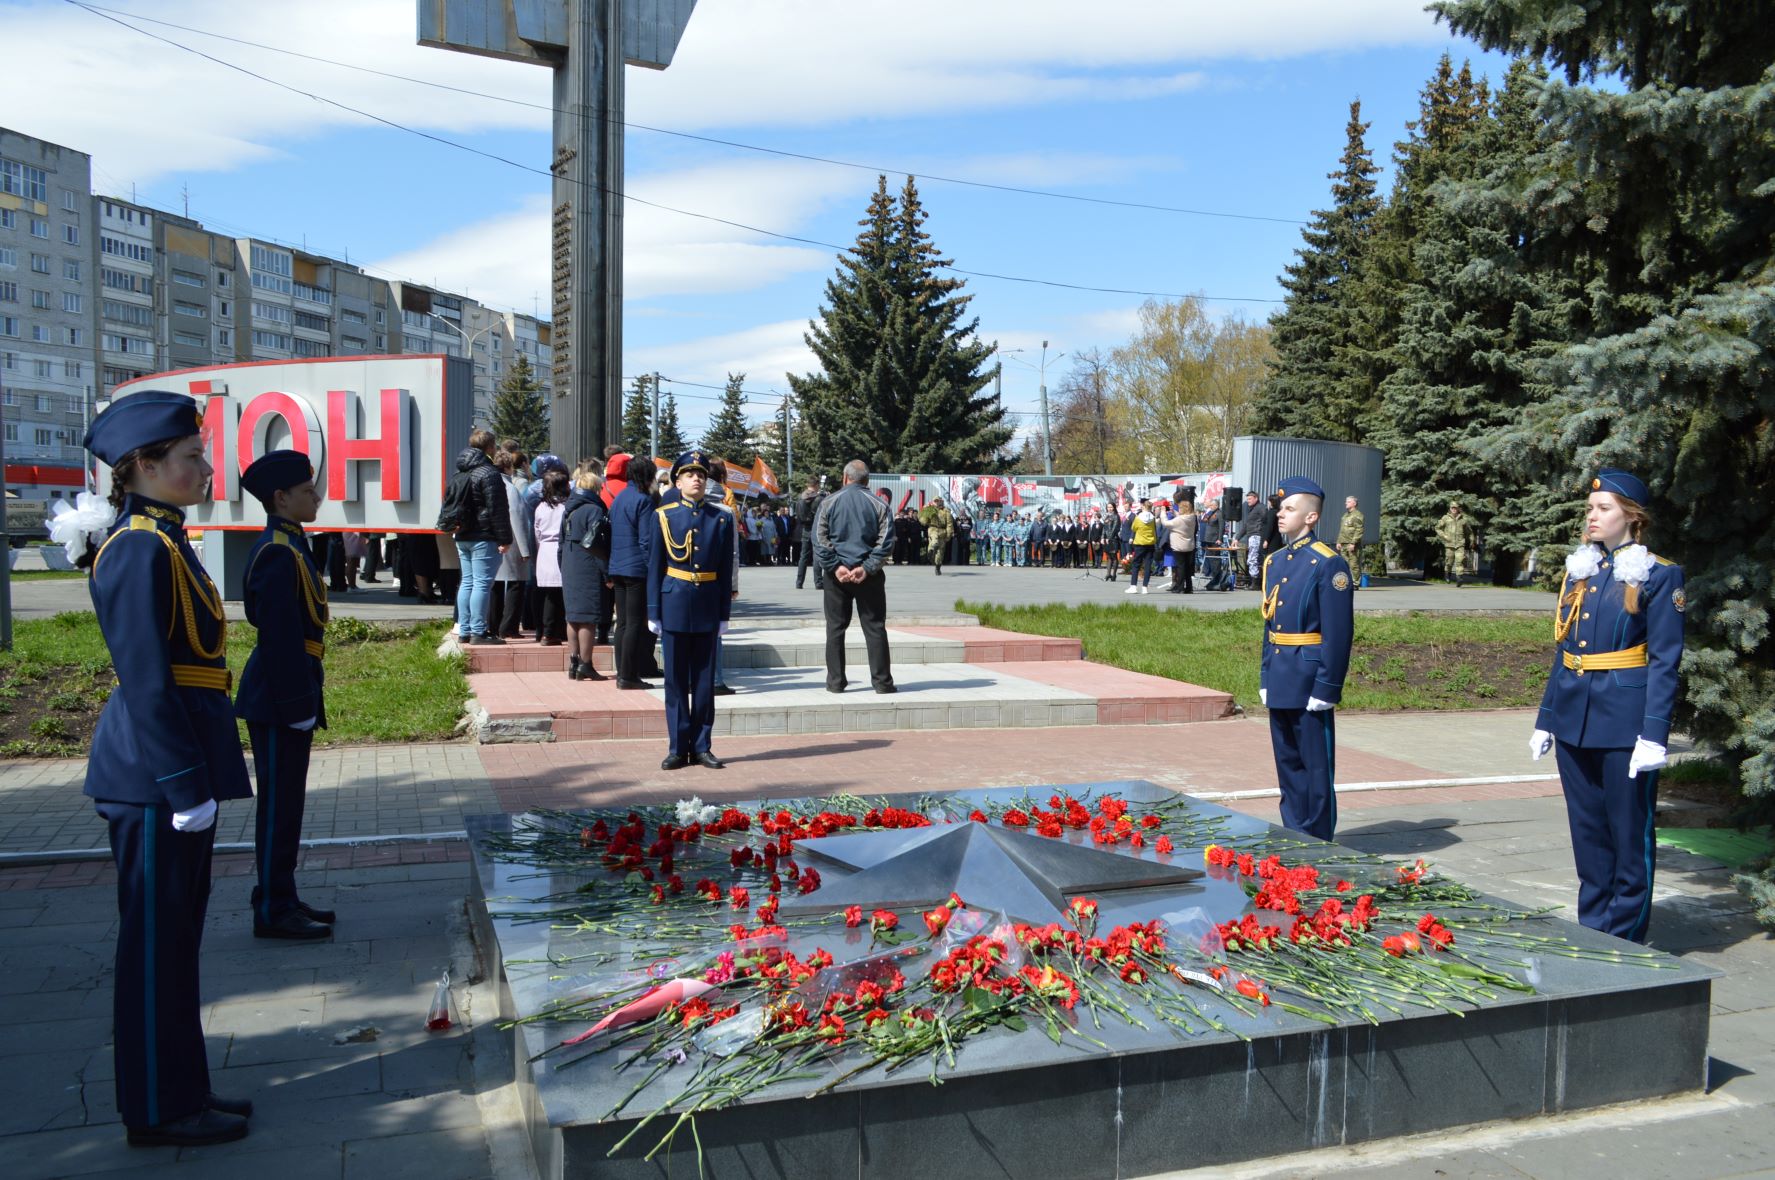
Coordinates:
[545,706]
[805,647]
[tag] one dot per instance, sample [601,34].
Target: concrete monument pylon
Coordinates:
[585,43]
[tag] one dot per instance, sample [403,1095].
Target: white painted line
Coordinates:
[1394,785]
[101,853]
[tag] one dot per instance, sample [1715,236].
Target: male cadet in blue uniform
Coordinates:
[166,751]
[1308,615]
[689,600]
[280,688]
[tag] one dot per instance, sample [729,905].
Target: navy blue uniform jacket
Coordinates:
[690,566]
[167,735]
[286,599]
[1611,709]
[1306,591]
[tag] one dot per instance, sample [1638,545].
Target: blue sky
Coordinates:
[1169,102]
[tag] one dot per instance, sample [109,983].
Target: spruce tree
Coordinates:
[1654,189]
[671,435]
[903,376]
[727,434]
[519,410]
[637,417]
[1321,385]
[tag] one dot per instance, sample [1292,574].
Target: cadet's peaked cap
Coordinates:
[1299,485]
[140,420]
[695,460]
[1622,483]
[276,471]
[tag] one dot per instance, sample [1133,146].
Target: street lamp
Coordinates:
[1047,436]
[468,338]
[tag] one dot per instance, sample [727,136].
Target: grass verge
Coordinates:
[384,684]
[1398,662]
[47,575]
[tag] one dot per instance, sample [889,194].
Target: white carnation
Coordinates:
[70,527]
[694,811]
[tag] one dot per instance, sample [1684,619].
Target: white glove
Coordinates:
[1263,697]
[305,725]
[653,626]
[197,819]
[1646,756]
[1315,705]
[721,630]
[1539,742]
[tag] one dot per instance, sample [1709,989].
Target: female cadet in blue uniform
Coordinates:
[689,600]
[280,688]
[1618,641]
[166,751]
[1309,618]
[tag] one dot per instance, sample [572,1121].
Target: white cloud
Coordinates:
[764,353]
[145,109]
[504,260]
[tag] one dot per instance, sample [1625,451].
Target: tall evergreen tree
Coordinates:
[671,435]
[519,410]
[727,434]
[903,376]
[637,417]
[1321,385]
[1655,188]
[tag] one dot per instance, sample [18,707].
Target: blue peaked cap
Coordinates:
[140,420]
[1299,485]
[1622,483]
[692,460]
[276,471]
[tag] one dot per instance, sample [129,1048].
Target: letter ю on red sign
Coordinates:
[236,434]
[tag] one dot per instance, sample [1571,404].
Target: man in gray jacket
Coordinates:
[1250,535]
[853,536]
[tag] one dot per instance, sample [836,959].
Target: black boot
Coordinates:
[589,672]
[573,667]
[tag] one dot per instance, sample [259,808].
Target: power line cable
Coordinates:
[494,156]
[710,139]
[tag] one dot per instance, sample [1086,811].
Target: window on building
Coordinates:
[189,339]
[41,368]
[194,310]
[71,270]
[77,336]
[40,227]
[221,280]
[117,342]
[224,310]
[128,313]
[271,282]
[117,280]
[40,300]
[276,340]
[8,292]
[69,200]
[124,248]
[352,344]
[45,437]
[71,234]
[276,262]
[8,219]
[312,347]
[313,294]
[22,180]
[415,344]
[73,370]
[40,333]
[271,311]
[186,278]
[72,301]
[11,427]
[8,258]
[8,360]
[350,316]
[40,264]
[224,338]
[8,325]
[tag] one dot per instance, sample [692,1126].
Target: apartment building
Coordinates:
[48,251]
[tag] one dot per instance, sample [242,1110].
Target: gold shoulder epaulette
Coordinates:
[1323,550]
[1662,560]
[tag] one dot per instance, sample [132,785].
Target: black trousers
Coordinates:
[1183,571]
[634,643]
[505,608]
[869,599]
[163,893]
[280,764]
[553,612]
[807,558]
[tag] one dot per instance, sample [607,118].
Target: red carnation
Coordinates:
[853,915]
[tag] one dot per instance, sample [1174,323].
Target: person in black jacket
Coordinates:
[806,506]
[483,532]
[585,570]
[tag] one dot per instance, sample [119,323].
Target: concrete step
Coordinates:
[544,706]
[805,647]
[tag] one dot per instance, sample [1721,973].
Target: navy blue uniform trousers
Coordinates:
[689,657]
[1613,840]
[1306,763]
[163,893]
[280,763]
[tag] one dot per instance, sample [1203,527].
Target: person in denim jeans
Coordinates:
[484,534]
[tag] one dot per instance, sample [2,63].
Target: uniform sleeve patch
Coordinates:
[1340,581]
[1678,599]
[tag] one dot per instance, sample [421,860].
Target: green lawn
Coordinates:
[384,683]
[47,576]
[1416,661]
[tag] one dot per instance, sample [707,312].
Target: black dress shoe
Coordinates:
[674,762]
[194,1130]
[325,917]
[630,684]
[722,690]
[707,759]
[239,1107]
[883,690]
[485,640]
[293,925]
[840,688]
